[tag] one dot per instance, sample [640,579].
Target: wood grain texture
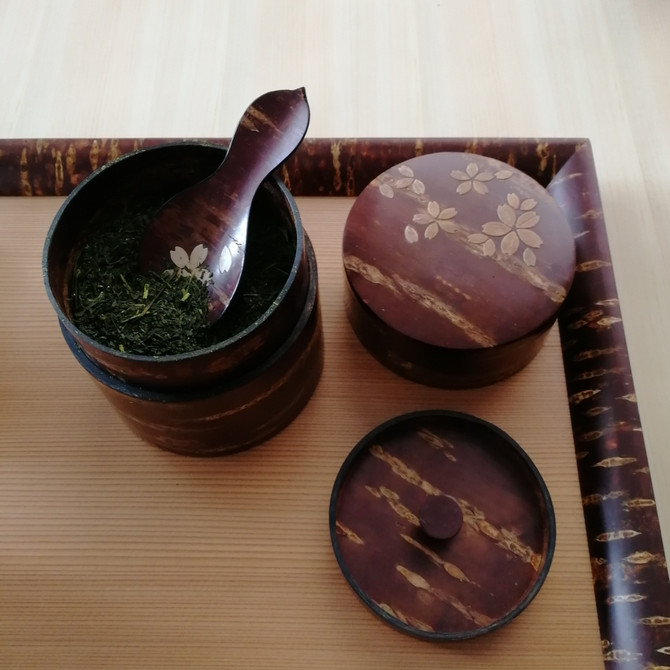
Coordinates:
[579,196]
[117,554]
[576,68]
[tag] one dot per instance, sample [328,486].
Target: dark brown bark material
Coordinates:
[323,166]
[437,582]
[625,544]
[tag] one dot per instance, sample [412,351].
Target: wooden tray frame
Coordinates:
[625,544]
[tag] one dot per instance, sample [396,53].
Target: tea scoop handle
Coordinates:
[203,229]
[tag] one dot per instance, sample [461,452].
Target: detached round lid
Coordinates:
[459,251]
[442,525]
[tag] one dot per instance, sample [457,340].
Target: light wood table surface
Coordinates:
[389,68]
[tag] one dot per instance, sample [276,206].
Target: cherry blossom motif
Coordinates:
[473,179]
[386,190]
[190,265]
[411,234]
[406,181]
[435,219]
[516,218]
[409,181]
[225,261]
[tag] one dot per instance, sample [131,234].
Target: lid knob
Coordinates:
[440,517]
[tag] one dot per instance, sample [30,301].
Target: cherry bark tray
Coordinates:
[629,569]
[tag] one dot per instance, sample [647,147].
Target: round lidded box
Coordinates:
[442,525]
[456,266]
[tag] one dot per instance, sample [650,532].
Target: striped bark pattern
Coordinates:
[628,562]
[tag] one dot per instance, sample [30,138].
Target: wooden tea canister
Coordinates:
[155,174]
[233,414]
[245,387]
[456,267]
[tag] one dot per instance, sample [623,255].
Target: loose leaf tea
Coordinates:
[165,314]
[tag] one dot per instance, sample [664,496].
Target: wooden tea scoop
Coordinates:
[202,231]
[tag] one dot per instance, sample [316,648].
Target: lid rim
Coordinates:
[550,530]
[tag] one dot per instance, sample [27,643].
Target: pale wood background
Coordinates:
[115,554]
[85,531]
